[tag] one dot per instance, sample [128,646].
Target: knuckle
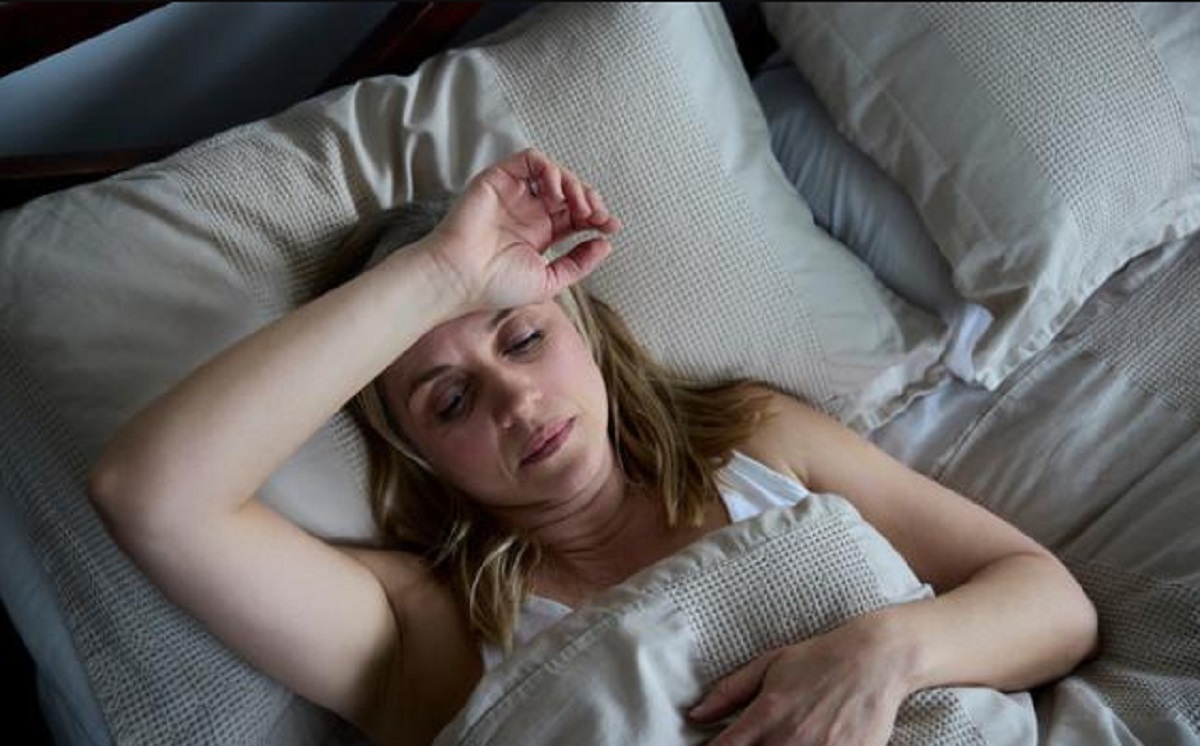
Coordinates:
[839,731]
[803,732]
[724,686]
[773,702]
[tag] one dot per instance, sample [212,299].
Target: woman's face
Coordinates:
[508,406]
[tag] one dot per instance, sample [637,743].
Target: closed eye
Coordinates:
[528,343]
[454,401]
[452,404]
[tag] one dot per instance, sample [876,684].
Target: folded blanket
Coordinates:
[625,668]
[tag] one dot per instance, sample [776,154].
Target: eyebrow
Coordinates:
[431,374]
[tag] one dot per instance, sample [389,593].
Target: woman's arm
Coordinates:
[175,485]
[174,488]
[250,408]
[209,443]
[1008,614]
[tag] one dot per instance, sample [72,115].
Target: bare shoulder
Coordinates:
[943,535]
[827,455]
[789,435]
[439,665]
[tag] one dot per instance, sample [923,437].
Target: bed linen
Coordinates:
[1114,407]
[626,667]
[1093,447]
[1043,145]
[862,207]
[68,706]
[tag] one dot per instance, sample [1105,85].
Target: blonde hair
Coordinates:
[670,435]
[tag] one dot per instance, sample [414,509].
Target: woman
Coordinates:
[502,407]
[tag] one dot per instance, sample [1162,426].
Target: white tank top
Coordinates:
[748,487]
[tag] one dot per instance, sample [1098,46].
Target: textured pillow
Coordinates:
[651,647]
[849,195]
[720,268]
[1043,145]
[860,206]
[111,292]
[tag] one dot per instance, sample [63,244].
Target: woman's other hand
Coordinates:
[844,686]
[491,245]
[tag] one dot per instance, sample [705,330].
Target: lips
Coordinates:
[546,441]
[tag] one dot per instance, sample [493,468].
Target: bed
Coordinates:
[967,231]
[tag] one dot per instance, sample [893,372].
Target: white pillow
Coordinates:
[112,292]
[849,195]
[1044,145]
[864,209]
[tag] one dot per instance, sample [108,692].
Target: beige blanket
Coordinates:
[625,668]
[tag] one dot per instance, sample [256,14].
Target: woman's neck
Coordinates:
[600,537]
[603,536]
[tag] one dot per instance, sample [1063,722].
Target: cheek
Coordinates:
[466,458]
[577,376]
[452,451]
[590,386]
[464,450]
[572,383]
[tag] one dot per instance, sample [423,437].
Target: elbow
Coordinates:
[106,494]
[118,500]
[1087,625]
[1079,623]
[101,485]
[126,509]
[136,496]
[1068,618]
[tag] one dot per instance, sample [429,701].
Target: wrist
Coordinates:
[420,265]
[893,641]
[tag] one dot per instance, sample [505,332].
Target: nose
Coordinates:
[516,395]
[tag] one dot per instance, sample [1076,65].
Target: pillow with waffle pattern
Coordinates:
[1044,145]
[112,292]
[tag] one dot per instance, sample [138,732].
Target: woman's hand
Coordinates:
[842,687]
[491,245]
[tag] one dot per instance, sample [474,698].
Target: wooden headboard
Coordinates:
[409,34]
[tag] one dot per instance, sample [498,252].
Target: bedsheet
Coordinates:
[1093,448]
